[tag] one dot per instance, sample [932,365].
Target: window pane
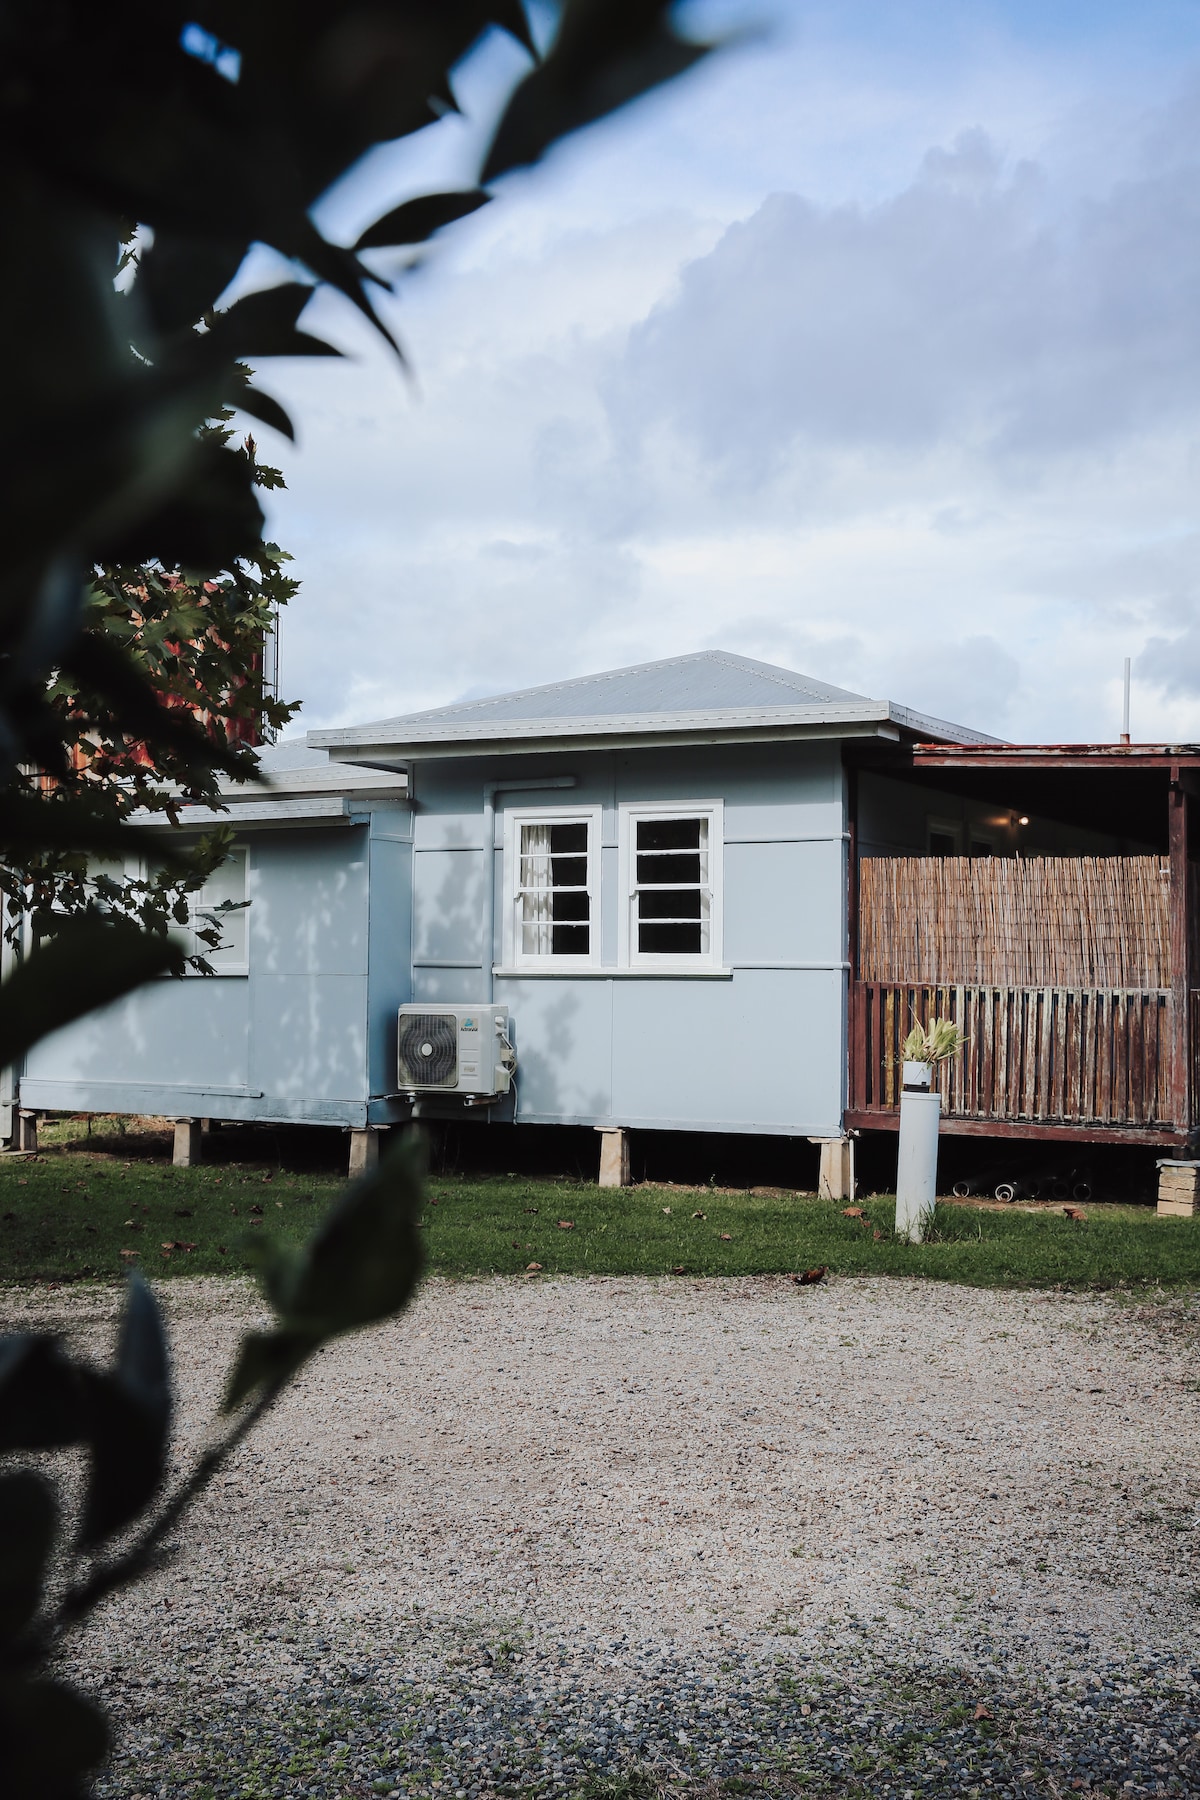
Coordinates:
[569,838]
[672,940]
[672,903]
[672,834]
[655,871]
[942,844]
[572,905]
[568,871]
[570,940]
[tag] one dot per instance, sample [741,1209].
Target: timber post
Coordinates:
[614,1156]
[364,1150]
[1181,974]
[856,1024]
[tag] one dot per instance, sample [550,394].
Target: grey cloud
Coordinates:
[970,309]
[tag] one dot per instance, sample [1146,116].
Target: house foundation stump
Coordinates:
[614,1158]
[836,1178]
[364,1151]
[186,1150]
[25,1132]
[1178,1189]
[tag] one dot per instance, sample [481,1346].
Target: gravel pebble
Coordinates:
[628,1536]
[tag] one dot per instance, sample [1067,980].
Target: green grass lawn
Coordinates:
[89,1209]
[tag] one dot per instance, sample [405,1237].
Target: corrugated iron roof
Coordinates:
[681,693]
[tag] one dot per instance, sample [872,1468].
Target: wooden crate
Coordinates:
[1178,1189]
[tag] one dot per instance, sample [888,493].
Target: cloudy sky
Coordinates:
[871,349]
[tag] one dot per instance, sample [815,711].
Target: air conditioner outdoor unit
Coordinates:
[454,1049]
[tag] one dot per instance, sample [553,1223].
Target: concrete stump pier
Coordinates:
[186,1151]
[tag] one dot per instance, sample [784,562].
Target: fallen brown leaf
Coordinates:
[256,1208]
[853,1212]
[533,1268]
[1075,1212]
[981,1712]
[811,1275]
[699,1215]
[877,1235]
[566,1224]
[128,1252]
[725,1237]
[666,1209]
[679,1270]
[184,1212]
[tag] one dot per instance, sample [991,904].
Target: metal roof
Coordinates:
[709,692]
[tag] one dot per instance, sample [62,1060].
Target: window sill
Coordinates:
[600,972]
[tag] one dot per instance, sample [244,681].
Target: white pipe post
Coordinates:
[916,1170]
[1125,708]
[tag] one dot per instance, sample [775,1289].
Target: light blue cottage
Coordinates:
[646,868]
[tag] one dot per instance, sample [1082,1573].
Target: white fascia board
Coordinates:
[655,740]
[331,810]
[602,725]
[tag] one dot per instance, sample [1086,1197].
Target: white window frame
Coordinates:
[514,956]
[200,914]
[628,816]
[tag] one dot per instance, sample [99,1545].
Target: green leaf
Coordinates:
[131,1420]
[85,965]
[28,1523]
[50,1738]
[362,1265]
[416,220]
[43,1395]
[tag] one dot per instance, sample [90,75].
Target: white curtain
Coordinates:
[536,891]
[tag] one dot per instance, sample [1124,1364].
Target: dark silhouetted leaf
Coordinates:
[261,406]
[85,965]
[51,1738]
[607,53]
[43,1395]
[28,1522]
[132,1420]
[418,219]
[362,1265]
[264,324]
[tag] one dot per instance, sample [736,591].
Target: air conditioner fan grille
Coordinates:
[428,1050]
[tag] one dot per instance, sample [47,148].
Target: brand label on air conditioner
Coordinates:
[469,1024]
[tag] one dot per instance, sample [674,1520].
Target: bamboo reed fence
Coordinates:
[1097,922]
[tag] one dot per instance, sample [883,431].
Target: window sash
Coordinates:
[672,886]
[554,910]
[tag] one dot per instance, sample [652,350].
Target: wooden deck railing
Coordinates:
[1058,1055]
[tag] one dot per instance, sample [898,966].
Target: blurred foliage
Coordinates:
[132,529]
[199,643]
[361,1265]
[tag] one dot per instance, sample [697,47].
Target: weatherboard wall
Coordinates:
[289,1040]
[758,1047]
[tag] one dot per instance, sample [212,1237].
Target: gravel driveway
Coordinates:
[632,1534]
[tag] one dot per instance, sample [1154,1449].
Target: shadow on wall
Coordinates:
[448,923]
[560,1046]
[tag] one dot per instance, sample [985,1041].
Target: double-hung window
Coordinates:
[221,904]
[671,879]
[553,862]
